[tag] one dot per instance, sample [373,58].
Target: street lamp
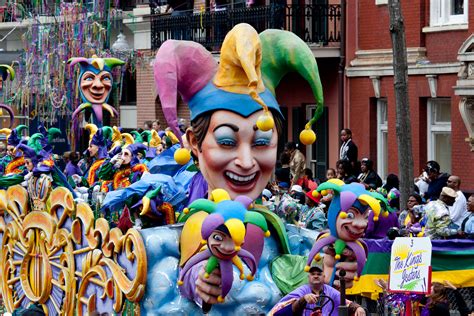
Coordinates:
[120,45]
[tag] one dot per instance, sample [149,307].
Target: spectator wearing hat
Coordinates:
[467,225]
[308,299]
[307,182]
[458,212]
[368,177]
[312,215]
[437,222]
[297,162]
[296,192]
[437,180]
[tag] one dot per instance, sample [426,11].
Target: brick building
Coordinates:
[439,49]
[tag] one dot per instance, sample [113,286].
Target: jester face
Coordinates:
[93,149]
[96,87]
[221,245]
[126,156]
[235,155]
[353,226]
[29,164]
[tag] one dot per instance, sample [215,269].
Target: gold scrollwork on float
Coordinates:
[53,256]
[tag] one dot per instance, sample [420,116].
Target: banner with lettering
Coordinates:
[410,265]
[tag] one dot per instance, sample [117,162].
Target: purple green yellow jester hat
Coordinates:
[95,65]
[32,149]
[134,149]
[14,136]
[251,67]
[98,137]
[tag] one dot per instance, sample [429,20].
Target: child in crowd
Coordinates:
[312,215]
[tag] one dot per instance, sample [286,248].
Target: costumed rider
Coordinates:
[14,165]
[235,120]
[40,169]
[153,141]
[97,152]
[119,173]
[95,84]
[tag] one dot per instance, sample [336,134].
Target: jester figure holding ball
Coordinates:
[347,220]
[223,231]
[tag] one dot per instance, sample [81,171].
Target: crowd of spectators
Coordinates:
[437,207]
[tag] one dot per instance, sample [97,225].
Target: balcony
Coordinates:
[129,5]
[315,24]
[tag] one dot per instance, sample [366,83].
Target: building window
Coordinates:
[382,138]
[448,12]
[439,132]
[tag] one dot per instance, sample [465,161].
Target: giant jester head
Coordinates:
[95,83]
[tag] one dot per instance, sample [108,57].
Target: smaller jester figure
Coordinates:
[223,231]
[6,72]
[95,84]
[347,220]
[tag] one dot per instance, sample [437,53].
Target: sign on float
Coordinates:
[410,265]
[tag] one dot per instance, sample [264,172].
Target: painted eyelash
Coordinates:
[226,142]
[262,142]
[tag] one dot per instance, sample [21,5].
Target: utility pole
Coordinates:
[400,80]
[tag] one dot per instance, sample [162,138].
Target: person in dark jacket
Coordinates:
[437,180]
[368,177]
[348,150]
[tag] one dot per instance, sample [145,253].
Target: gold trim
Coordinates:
[53,255]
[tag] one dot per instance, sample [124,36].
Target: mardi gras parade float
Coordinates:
[157,221]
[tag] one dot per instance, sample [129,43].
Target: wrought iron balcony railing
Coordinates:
[318,24]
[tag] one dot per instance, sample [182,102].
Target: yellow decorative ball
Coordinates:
[324,192]
[307,136]
[265,122]
[182,156]
[250,277]
[315,194]
[220,299]
[186,210]
[343,215]
[337,257]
